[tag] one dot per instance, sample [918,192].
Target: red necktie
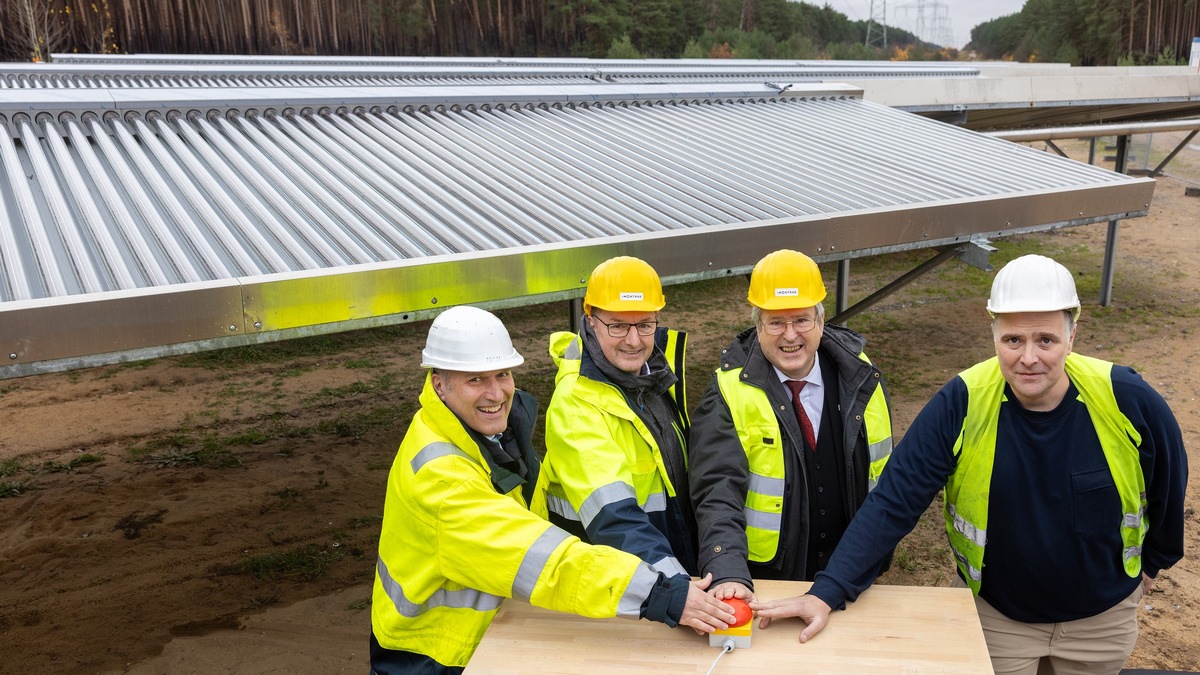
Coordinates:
[805,424]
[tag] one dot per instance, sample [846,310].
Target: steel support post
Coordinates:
[575,307]
[843,285]
[1110,244]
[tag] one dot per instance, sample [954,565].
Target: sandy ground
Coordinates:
[219,513]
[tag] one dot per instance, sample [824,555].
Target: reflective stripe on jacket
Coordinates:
[757,427]
[452,547]
[967,490]
[601,459]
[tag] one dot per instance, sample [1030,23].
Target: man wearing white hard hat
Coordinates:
[1064,479]
[464,519]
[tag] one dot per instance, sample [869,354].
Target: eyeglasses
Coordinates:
[620,330]
[778,326]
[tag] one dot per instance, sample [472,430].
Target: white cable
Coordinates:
[726,647]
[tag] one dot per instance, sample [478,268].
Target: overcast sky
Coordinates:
[963,14]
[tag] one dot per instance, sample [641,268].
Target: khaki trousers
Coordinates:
[1097,645]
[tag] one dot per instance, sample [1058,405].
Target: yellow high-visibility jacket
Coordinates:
[607,479]
[452,547]
[968,489]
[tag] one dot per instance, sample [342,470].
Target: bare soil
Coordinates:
[220,512]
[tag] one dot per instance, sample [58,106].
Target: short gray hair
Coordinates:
[756,312]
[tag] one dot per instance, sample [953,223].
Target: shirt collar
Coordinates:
[813,378]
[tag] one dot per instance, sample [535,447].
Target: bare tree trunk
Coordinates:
[747,23]
[1149,13]
[41,26]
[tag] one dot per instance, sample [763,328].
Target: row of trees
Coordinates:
[33,29]
[1092,32]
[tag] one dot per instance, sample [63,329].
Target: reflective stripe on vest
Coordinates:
[601,497]
[878,423]
[630,605]
[534,562]
[675,351]
[761,438]
[466,598]
[434,451]
[651,490]
[967,491]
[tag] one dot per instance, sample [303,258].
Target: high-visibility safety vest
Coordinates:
[757,425]
[584,475]
[967,491]
[452,548]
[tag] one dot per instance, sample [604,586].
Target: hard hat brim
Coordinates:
[442,363]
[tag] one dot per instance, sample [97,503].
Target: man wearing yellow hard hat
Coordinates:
[1064,481]
[616,427]
[464,519]
[791,435]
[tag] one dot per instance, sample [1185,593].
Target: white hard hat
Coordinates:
[469,339]
[1033,283]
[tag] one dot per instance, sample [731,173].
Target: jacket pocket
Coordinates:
[1096,503]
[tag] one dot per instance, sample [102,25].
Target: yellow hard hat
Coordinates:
[624,284]
[786,279]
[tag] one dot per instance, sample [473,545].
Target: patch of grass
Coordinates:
[12,488]
[303,564]
[270,598]
[75,463]
[372,521]
[215,450]
[359,605]
[331,395]
[10,467]
[245,438]
[171,458]
[903,559]
[355,425]
[285,498]
[133,524]
[317,346]
[347,391]
[295,371]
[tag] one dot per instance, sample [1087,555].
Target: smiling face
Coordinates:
[1032,348]
[480,400]
[631,351]
[793,352]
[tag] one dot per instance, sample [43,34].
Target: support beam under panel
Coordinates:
[1167,160]
[905,279]
[575,307]
[1110,243]
[843,285]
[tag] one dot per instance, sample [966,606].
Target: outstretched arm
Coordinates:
[810,608]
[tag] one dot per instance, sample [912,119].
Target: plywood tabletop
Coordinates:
[891,629]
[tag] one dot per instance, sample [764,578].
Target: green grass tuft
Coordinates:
[64,467]
[10,467]
[12,488]
[302,564]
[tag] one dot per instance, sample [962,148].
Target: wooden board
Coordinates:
[891,629]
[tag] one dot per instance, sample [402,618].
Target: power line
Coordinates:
[877,25]
[932,21]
